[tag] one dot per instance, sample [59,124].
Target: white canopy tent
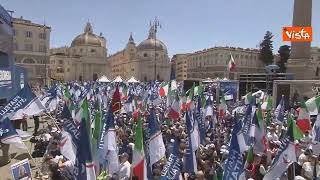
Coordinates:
[208,80]
[132,80]
[118,79]
[103,79]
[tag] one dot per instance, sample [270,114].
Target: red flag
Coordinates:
[116,101]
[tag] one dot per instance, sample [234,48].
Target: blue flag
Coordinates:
[190,162]
[233,166]
[84,157]
[173,166]
[246,124]
[70,126]
[8,134]
[157,149]
[199,118]
[19,101]
[101,150]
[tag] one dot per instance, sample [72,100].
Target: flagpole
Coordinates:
[54,121]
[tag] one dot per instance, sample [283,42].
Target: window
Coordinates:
[68,70]
[28,61]
[28,47]
[42,35]
[241,56]
[80,50]
[145,55]
[93,50]
[4,60]
[132,69]
[42,48]
[28,34]
[157,54]
[60,62]
[60,70]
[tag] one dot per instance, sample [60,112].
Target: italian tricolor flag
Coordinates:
[303,121]
[163,91]
[222,108]
[231,64]
[183,101]
[174,111]
[189,102]
[138,163]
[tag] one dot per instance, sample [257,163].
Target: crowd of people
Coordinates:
[215,139]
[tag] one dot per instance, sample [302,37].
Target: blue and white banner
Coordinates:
[172,169]
[8,134]
[234,166]
[19,101]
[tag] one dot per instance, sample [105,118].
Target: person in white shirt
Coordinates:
[272,136]
[125,167]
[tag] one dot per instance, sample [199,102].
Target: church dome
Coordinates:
[87,38]
[152,43]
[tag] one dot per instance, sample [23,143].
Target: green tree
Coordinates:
[284,53]
[266,48]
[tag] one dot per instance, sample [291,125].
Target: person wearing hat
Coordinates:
[125,167]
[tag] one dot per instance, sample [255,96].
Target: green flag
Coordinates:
[85,115]
[97,122]
[259,116]
[66,93]
[250,155]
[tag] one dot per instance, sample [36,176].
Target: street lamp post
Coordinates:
[45,54]
[156,24]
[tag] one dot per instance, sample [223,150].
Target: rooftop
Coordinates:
[28,23]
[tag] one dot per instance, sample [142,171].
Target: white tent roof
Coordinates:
[103,79]
[132,80]
[208,80]
[118,79]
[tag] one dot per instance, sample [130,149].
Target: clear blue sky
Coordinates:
[187,25]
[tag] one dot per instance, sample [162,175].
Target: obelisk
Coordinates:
[300,62]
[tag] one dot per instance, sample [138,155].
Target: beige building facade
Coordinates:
[31,43]
[180,62]
[146,62]
[213,63]
[84,60]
